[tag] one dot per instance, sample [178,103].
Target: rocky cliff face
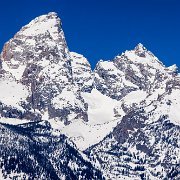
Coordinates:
[81,72]
[133,70]
[144,144]
[120,121]
[38,59]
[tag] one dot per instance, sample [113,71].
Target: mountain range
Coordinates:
[59,119]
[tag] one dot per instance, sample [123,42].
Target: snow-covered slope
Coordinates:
[101,121]
[124,115]
[145,143]
[12,92]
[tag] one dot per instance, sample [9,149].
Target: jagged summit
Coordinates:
[141,55]
[46,17]
[141,51]
[140,47]
[49,23]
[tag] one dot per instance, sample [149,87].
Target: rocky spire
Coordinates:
[139,47]
[38,57]
[45,24]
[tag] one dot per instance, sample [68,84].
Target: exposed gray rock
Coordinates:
[36,63]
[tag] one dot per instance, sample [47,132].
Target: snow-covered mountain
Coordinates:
[39,61]
[118,121]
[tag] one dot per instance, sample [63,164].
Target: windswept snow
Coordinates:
[101,121]
[13,121]
[12,93]
[107,65]
[171,105]
[135,97]
[100,109]
[43,24]
[16,72]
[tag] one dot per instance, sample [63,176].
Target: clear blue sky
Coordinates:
[101,29]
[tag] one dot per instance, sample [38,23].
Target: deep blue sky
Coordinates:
[101,29]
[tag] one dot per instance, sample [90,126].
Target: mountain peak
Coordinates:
[52,14]
[48,23]
[46,17]
[140,47]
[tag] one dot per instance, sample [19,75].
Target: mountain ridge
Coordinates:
[122,117]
